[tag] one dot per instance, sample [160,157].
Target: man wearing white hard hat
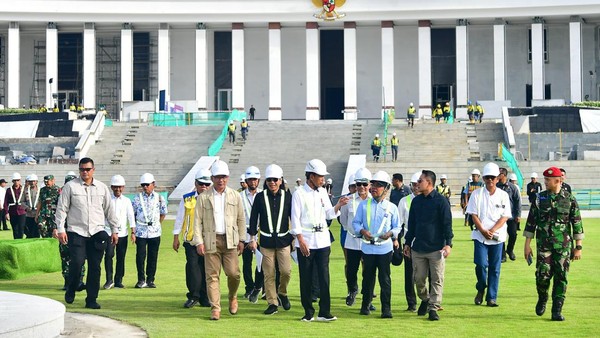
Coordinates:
[443,188]
[30,201]
[428,243]
[231,132]
[394,142]
[512,178]
[376,148]
[219,233]
[410,115]
[243,184]
[474,184]
[150,209]
[403,211]
[195,275]
[376,224]
[271,218]
[125,218]
[533,188]
[253,286]
[512,223]
[15,211]
[311,208]
[489,208]
[85,234]
[298,183]
[352,243]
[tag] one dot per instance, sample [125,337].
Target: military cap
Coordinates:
[552,172]
[48,177]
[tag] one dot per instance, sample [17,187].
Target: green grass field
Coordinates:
[160,312]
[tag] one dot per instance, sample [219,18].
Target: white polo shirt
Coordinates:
[489,209]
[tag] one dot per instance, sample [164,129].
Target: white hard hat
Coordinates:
[415,177]
[443,177]
[381,176]
[273,171]
[376,135]
[252,172]
[219,168]
[491,169]
[203,175]
[117,181]
[411,104]
[329,181]
[71,173]
[394,134]
[15,177]
[242,178]
[351,180]
[512,177]
[147,178]
[316,166]
[534,175]
[475,172]
[298,179]
[32,177]
[362,175]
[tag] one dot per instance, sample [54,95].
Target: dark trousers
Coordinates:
[152,245]
[80,249]
[195,276]
[371,265]
[31,228]
[258,281]
[409,283]
[17,222]
[121,249]
[352,265]
[511,226]
[3,219]
[318,258]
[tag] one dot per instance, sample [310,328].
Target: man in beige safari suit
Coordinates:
[219,233]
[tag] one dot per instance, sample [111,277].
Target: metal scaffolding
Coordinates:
[108,74]
[37,95]
[2,70]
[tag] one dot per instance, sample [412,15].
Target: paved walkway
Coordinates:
[79,325]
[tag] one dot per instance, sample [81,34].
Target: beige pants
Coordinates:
[268,268]
[434,265]
[231,265]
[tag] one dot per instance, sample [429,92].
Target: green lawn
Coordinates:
[160,312]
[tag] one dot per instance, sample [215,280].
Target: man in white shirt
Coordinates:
[311,208]
[489,208]
[253,286]
[125,216]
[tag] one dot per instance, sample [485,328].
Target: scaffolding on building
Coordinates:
[108,74]
[37,96]
[2,70]
[150,77]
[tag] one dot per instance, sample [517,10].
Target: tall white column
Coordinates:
[89,65]
[126,63]
[537,60]
[575,58]
[312,71]
[387,64]
[424,37]
[201,68]
[52,63]
[462,69]
[164,61]
[13,68]
[274,71]
[500,60]
[350,85]
[237,66]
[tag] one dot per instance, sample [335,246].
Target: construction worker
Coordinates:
[470,111]
[446,112]
[72,107]
[443,188]
[80,108]
[471,186]
[231,132]
[410,115]
[394,142]
[43,109]
[376,147]
[478,112]
[55,108]
[437,113]
[243,185]
[244,128]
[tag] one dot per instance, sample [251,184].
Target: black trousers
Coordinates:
[152,245]
[409,283]
[511,226]
[31,228]
[318,258]
[3,219]
[371,265]
[259,279]
[352,264]
[121,250]
[17,222]
[195,275]
[80,249]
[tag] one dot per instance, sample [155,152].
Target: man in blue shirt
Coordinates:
[376,223]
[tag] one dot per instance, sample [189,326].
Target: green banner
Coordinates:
[509,158]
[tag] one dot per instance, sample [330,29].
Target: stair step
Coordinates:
[126,143]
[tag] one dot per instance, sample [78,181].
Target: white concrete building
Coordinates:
[277,56]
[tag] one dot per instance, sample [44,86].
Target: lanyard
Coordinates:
[387,209]
[188,220]
[142,204]
[37,196]
[15,202]
[268,207]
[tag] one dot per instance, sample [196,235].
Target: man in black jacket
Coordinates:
[515,207]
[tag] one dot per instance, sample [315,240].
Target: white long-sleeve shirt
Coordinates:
[312,208]
[125,215]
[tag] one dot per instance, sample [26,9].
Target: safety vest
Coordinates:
[72,107]
[381,225]
[244,124]
[55,110]
[437,111]
[479,109]
[411,110]
[80,108]
[394,141]
[446,109]
[377,142]
[189,204]
[43,110]
[232,127]
[277,228]
[470,108]
[312,216]
[442,190]
[247,205]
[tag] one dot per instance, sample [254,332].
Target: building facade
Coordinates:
[280,57]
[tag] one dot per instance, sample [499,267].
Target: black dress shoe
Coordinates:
[433,315]
[190,303]
[386,315]
[81,286]
[285,302]
[479,298]
[512,256]
[503,260]
[92,305]
[151,285]
[69,297]
[411,308]
[119,285]
[423,308]
[365,311]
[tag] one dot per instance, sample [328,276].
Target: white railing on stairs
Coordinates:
[90,136]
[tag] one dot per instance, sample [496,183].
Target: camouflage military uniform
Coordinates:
[556,222]
[48,200]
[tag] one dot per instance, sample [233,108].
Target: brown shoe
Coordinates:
[215,315]
[233,306]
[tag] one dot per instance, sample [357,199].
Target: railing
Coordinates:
[90,136]
[188,119]
[588,199]
[216,146]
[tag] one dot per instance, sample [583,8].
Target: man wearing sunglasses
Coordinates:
[253,286]
[150,210]
[85,205]
[489,208]
[195,276]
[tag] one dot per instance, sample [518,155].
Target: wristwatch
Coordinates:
[578,247]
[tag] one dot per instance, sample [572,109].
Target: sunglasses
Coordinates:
[145,185]
[203,184]
[377,185]
[489,177]
[272,179]
[361,184]
[85,169]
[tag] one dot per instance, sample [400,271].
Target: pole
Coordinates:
[529,146]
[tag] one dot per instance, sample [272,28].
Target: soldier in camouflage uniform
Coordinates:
[555,220]
[46,206]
